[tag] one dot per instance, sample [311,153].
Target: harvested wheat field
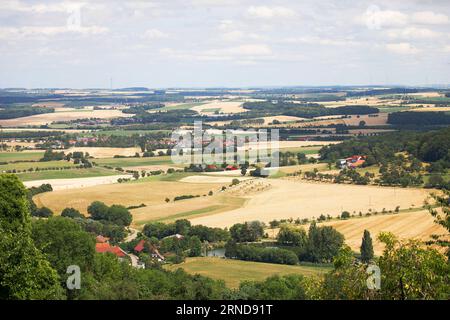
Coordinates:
[408,225]
[293,199]
[149,168]
[104,152]
[184,209]
[212,179]
[221,106]
[48,118]
[76,183]
[128,194]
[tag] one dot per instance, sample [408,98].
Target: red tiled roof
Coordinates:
[140,246]
[106,247]
[101,239]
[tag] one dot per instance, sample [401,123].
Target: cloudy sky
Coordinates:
[210,43]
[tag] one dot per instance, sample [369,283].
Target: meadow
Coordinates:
[35,164]
[232,272]
[65,174]
[20,156]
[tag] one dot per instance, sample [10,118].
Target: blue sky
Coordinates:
[233,43]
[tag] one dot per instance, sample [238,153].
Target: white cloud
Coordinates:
[321,41]
[267,12]
[29,31]
[63,6]
[154,34]
[429,17]
[402,48]
[446,48]
[235,35]
[413,33]
[375,18]
[243,50]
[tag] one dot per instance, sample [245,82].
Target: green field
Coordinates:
[20,156]
[182,106]
[211,110]
[123,133]
[235,271]
[34,165]
[305,150]
[66,174]
[134,162]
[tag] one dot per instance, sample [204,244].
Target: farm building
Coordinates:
[352,162]
[106,247]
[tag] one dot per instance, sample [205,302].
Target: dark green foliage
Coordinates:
[323,243]
[419,118]
[64,243]
[366,247]
[247,232]
[13,111]
[14,214]
[24,272]
[49,155]
[290,287]
[71,213]
[260,254]
[116,214]
[43,212]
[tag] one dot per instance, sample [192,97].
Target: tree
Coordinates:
[119,215]
[442,216]
[14,214]
[43,212]
[71,213]
[366,247]
[195,247]
[411,271]
[323,243]
[292,237]
[24,271]
[98,210]
[64,243]
[345,215]
[247,232]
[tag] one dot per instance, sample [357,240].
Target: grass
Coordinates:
[20,156]
[233,272]
[34,165]
[66,174]
[211,110]
[134,162]
[122,133]
[181,106]
[304,150]
[184,215]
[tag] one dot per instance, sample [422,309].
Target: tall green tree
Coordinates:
[366,247]
[24,271]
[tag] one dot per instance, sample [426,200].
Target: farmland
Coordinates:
[286,199]
[65,174]
[234,271]
[20,156]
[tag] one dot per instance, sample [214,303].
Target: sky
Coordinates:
[223,43]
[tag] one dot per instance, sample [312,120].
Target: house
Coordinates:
[352,162]
[177,236]
[231,167]
[140,246]
[106,247]
[101,239]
